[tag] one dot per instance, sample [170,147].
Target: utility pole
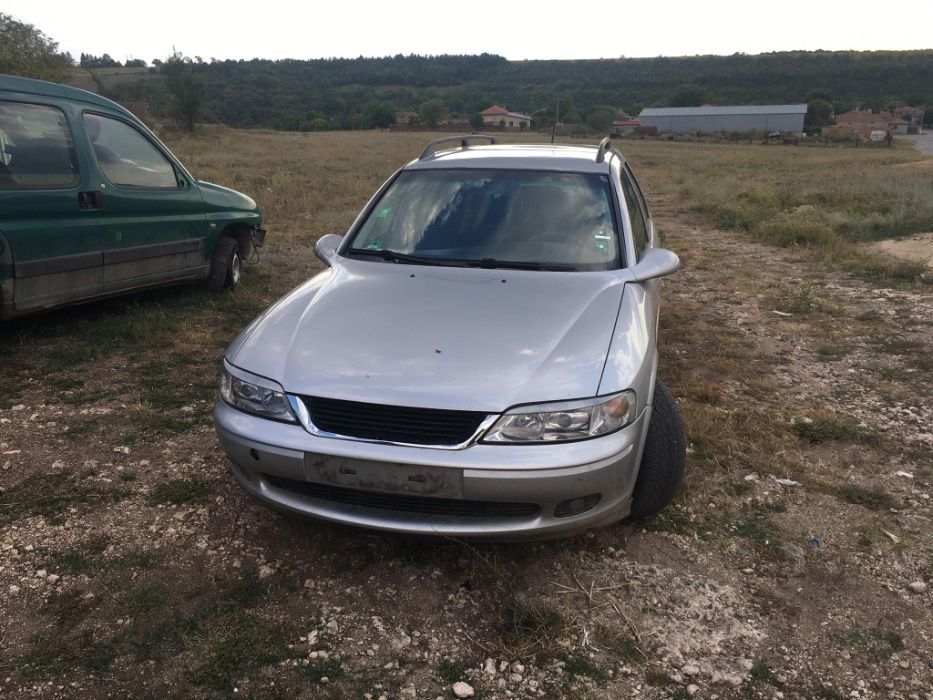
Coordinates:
[556,121]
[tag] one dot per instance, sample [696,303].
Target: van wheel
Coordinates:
[664,458]
[226,265]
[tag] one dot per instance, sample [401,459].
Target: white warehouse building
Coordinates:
[711,119]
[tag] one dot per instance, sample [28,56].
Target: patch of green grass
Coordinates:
[656,677]
[740,488]
[762,673]
[69,608]
[176,630]
[49,653]
[10,391]
[51,494]
[879,644]
[671,519]
[238,644]
[135,559]
[91,395]
[164,390]
[178,491]
[329,667]
[804,300]
[875,499]
[828,427]
[74,561]
[829,351]
[155,423]
[449,672]
[246,591]
[143,600]
[827,692]
[581,666]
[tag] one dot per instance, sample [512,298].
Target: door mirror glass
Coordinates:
[326,247]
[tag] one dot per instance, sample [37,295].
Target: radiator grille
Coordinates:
[370,421]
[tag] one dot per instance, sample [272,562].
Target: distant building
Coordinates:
[912,115]
[709,119]
[406,117]
[625,126]
[868,124]
[500,116]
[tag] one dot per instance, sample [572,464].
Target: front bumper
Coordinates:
[274,462]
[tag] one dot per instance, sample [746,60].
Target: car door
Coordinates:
[55,244]
[643,237]
[153,224]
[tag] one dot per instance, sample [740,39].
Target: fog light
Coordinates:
[575,506]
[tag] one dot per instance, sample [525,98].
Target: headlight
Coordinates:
[254,394]
[562,422]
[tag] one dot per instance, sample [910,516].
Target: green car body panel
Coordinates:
[83,236]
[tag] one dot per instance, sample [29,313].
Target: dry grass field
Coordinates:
[794,564]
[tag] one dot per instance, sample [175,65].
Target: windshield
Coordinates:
[493,218]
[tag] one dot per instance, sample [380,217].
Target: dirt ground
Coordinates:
[917,248]
[794,564]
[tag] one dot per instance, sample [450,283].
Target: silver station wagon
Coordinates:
[478,358]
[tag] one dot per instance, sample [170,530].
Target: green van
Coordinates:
[92,204]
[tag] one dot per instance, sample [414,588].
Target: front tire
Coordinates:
[226,264]
[664,458]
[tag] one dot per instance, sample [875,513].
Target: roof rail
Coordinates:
[605,146]
[464,143]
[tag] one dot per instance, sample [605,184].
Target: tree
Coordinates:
[476,120]
[89,60]
[135,63]
[26,51]
[186,89]
[819,113]
[600,119]
[818,94]
[690,96]
[432,111]
[379,115]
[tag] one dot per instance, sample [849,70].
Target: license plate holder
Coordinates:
[385,477]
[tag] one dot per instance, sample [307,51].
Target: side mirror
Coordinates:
[326,247]
[656,262]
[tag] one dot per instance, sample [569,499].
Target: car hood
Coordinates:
[438,337]
[219,198]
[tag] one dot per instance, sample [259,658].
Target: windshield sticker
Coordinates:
[383,213]
[375,245]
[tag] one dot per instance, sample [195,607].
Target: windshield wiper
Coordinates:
[392,256]
[487,263]
[492,263]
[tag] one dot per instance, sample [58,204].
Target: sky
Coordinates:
[517,30]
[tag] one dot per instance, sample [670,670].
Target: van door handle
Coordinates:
[91,200]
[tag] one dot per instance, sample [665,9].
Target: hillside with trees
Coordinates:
[357,93]
[353,93]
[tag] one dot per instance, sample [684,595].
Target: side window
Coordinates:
[36,149]
[636,212]
[126,156]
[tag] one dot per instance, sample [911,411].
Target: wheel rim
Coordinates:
[236,269]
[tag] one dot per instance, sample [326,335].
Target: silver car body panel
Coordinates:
[496,338]
[463,339]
